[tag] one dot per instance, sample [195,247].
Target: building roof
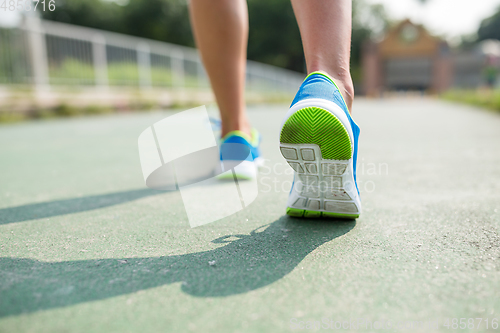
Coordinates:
[409,40]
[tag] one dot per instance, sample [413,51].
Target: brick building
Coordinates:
[408,58]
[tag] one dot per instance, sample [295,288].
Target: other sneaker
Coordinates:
[241,153]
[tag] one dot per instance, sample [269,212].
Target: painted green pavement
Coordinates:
[85,247]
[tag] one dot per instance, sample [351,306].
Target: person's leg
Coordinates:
[319,138]
[221,32]
[325,28]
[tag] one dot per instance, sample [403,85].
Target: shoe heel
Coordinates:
[314,125]
[317,146]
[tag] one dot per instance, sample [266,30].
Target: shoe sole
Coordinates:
[242,170]
[317,145]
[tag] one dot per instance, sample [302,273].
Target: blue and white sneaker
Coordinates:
[319,140]
[240,152]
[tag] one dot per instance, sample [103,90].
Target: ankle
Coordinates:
[242,127]
[346,88]
[344,81]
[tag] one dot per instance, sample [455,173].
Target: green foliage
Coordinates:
[490,27]
[41,113]
[66,110]
[368,21]
[72,69]
[10,116]
[11,48]
[489,99]
[98,14]
[163,20]
[97,109]
[274,36]
[119,73]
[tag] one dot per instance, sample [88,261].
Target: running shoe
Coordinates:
[319,140]
[241,153]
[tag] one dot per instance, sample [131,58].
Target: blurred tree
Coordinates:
[89,13]
[164,20]
[368,22]
[274,36]
[490,27]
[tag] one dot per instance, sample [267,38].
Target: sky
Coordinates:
[8,18]
[448,18]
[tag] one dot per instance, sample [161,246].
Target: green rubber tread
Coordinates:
[295,212]
[314,125]
[230,176]
[310,214]
[339,216]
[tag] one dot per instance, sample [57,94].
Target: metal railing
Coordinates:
[44,54]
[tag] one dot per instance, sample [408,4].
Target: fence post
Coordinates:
[144,64]
[178,68]
[38,54]
[100,61]
[249,77]
[200,72]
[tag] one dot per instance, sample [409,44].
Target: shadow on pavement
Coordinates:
[69,206]
[245,263]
